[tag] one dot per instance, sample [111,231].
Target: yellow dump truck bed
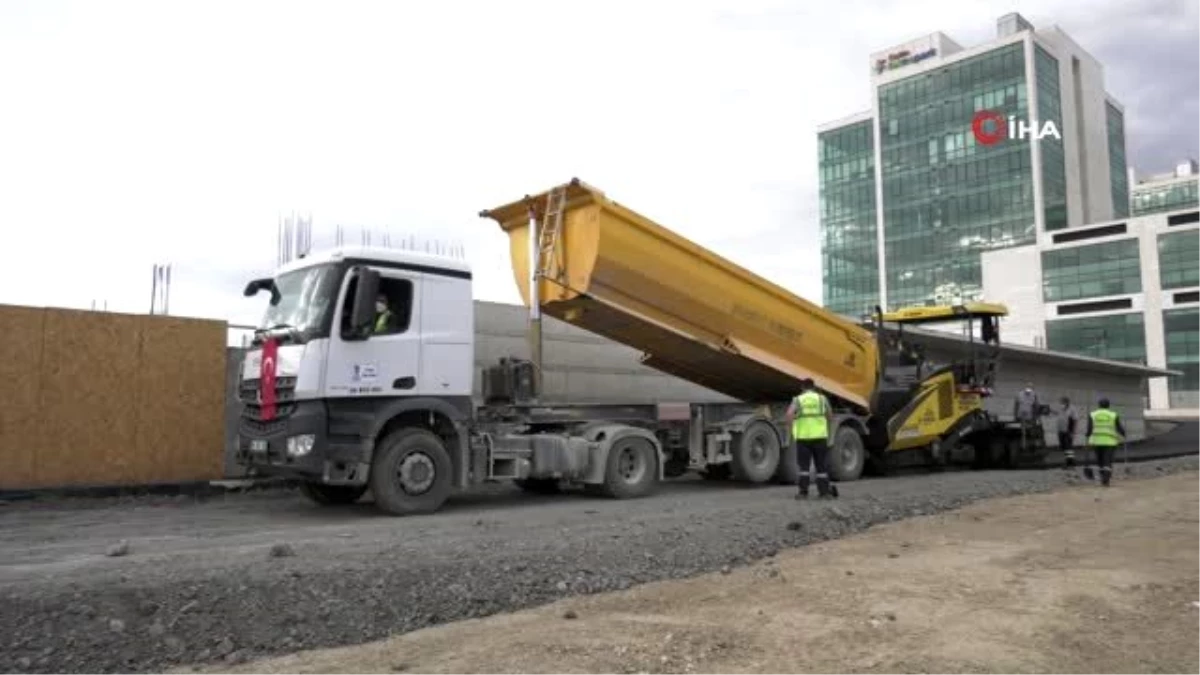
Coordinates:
[692,313]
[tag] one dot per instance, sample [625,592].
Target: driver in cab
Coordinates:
[383,315]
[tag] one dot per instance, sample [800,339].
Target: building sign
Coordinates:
[991,127]
[903,58]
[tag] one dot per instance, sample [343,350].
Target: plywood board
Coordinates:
[20,389]
[181,401]
[88,398]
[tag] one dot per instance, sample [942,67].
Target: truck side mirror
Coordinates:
[362,311]
[253,288]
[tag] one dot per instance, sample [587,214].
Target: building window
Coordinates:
[946,198]
[1118,337]
[1160,198]
[1117,168]
[1054,167]
[849,252]
[1179,259]
[1078,272]
[1181,332]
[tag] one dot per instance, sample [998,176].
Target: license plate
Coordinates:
[258,445]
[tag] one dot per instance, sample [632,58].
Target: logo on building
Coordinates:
[903,58]
[991,127]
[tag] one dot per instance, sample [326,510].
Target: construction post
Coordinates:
[535,303]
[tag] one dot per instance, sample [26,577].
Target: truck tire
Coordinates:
[410,473]
[789,467]
[756,455]
[331,495]
[632,469]
[847,455]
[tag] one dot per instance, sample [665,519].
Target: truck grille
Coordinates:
[285,405]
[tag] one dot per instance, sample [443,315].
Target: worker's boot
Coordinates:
[823,485]
[1089,473]
[1105,476]
[802,486]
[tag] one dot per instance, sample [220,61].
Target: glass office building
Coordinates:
[847,206]
[940,196]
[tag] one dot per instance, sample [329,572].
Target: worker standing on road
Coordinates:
[1068,421]
[1026,404]
[1026,409]
[811,418]
[1104,433]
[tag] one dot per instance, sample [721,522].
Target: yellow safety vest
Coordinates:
[1104,428]
[810,423]
[381,321]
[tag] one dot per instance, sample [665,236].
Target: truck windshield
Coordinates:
[304,300]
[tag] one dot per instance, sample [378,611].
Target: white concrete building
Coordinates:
[1126,289]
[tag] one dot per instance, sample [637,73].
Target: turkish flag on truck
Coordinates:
[266,379]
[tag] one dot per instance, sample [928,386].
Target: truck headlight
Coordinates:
[299,446]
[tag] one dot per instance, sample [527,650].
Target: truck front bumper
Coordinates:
[299,446]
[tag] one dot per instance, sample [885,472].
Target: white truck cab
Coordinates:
[361,378]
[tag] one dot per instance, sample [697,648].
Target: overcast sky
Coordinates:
[141,132]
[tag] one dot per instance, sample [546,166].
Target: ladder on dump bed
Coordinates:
[549,262]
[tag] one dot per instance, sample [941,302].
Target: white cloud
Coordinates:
[141,132]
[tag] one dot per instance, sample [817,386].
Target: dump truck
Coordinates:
[361,377]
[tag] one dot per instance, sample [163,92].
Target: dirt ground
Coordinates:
[1082,580]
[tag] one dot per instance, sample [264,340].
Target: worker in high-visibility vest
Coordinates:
[811,418]
[1104,433]
[383,315]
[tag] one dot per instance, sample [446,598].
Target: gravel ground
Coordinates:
[134,585]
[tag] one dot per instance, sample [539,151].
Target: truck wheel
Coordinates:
[410,473]
[847,455]
[788,471]
[632,469]
[329,495]
[756,456]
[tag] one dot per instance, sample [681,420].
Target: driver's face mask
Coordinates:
[379,306]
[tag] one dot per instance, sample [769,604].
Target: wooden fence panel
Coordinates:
[21,433]
[105,399]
